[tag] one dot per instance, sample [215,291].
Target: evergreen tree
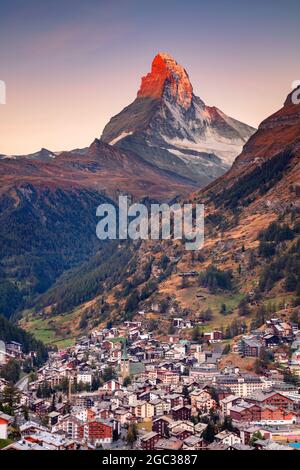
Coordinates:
[109,374]
[255,436]
[127,381]
[223,309]
[11,371]
[209,433]
[243,308]
[227,424]
[132,434]
[10,395]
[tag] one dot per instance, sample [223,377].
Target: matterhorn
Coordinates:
[174,130]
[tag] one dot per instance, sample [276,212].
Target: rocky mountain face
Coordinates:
[175,130]
[271,155]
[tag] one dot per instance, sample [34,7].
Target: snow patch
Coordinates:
[210,142]
[120,137]
[9,157]
[187,157]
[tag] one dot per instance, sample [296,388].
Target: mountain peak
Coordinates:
[168,126]
[167,79]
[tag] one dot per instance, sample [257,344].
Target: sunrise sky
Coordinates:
[70,65]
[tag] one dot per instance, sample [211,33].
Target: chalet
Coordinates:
[133,324]
[23,444]
[14,348]
[39,406]
[181,412]
[160,407]
[171,444]
[281,356]
[189,274]
[149,440]
[283,330]
[88,399]
[84,414]
[240,446]
[177,426]
[227,403]
[244,411]
[268,444]
[228,438]
[98,432]
[253,413]
[30,427]
[122,415]
[174,399]
[168,377]
[213,336]
[111,385]
[270,340]
[274,399]
[247,432]
[161,425]
[3,384]
[250,347]
[201,400]
[53,417]
[217,446]
[199,429]
[142,409]
[71,426]
[192,443]
[181,433]
[182,323]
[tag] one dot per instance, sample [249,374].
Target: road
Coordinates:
[23,383]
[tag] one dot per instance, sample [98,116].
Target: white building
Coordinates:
[84,377]
[228,438]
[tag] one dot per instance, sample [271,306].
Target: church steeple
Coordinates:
[125,364]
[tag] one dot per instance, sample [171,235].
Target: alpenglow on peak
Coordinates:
[172,128]
[167,78]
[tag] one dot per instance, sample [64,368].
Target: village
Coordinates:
[122,388]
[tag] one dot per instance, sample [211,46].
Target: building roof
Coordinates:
[239,446]
[6,417]
[169,444]
[229,399]
[192,440]
[217,446]
[149,435]
[179,407]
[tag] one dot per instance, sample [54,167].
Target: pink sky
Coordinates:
[67,72]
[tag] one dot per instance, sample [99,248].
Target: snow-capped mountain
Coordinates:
[175,130]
